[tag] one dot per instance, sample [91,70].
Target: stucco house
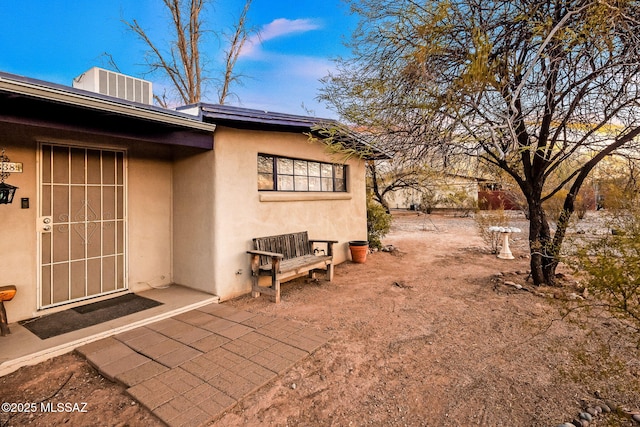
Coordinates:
[446,192]
[117,195]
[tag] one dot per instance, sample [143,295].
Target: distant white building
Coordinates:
[448,192]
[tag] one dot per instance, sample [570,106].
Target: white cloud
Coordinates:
[277,28]
[280,80]
[282,26]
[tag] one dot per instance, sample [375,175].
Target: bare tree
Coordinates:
[387,176]
[399,172]
[236,42]
[538,89]
[184,62]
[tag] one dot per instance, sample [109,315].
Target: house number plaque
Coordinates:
[11,167]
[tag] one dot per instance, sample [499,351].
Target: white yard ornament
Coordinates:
[505,253]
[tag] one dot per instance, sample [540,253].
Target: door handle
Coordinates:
[44,223]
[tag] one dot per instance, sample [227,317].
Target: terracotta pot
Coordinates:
[359,250]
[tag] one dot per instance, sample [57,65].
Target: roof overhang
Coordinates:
[244,118]
[29,101]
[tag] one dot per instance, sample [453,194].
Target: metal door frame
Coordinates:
[42,224]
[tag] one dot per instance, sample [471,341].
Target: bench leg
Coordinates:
[254,287]
[275,284]
[4,324]
[329,275]
[275,280]
[274,289]
[255,276]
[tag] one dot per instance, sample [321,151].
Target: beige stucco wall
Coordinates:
[149,215]
[193,227]
[241,212]
[191,213]
[17,232]
[149,170]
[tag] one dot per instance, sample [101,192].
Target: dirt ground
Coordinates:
[428,334]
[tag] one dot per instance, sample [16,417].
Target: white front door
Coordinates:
[82,223]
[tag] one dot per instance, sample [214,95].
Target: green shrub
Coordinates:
[428,201]
[611,265]
[489,218]
[378,223]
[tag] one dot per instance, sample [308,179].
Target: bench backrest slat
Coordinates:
[291,245]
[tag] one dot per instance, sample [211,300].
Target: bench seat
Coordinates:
[287,256]
[299,265]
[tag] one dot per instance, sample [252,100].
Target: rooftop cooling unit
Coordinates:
[115,84]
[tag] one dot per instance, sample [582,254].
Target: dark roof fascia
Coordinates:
[244,118]
[39,89]
[49,116]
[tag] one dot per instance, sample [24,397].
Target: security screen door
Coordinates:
[82,223]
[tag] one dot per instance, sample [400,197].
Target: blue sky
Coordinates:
[57,40]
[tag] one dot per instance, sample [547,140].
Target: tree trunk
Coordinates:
[545,250]
[550,265]
[539,244]
[375,188]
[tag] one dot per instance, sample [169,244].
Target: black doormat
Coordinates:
[84,316]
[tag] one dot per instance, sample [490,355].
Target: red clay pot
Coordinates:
[359,250]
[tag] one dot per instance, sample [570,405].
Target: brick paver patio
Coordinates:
[190,368]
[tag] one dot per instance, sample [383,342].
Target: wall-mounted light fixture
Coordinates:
[6,191]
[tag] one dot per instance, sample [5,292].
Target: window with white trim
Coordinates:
[277,173]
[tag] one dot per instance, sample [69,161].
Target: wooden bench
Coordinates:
[286,256]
